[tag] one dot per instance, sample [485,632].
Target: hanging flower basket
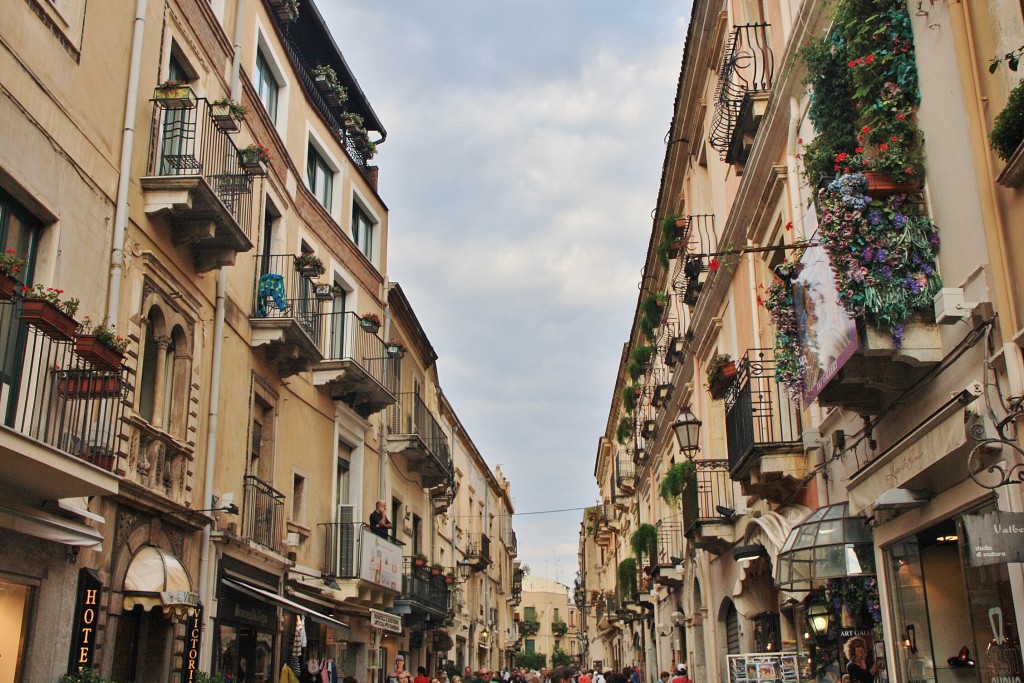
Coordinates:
[89,385]
[49,319]
[174,95]
[98,353]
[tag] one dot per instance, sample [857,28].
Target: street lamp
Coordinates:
[687,430]
[819,618]
[465,569]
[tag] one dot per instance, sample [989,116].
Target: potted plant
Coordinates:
[1007,134]
[254,159]
[44,309]
[721,374]
[624,430]
[396,349]
[88,384]
[287,10]
[676,480]
[337,94]
[626,575]
[173,94]
[351,122]
[419,560]
[11,268]
[100,345]
[326,292]
[325,77]
[644,541]
[309,265]
[370,322]
[449,577]
[436,569]
[226,114]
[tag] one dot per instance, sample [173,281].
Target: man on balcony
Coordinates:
[379,523]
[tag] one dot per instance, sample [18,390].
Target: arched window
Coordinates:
[165,377]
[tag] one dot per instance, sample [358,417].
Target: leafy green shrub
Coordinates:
[1008,127]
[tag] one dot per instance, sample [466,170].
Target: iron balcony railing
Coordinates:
[346,339]
[189,143]
[262,513]
[714,489]
[479,548]
[670,541]
[281,292]
[343,547]
[53,395]
[412,416]
[422,587]
[759,415]
[747,68]
[625,473]
[323,107]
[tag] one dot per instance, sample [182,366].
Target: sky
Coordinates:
[521,168]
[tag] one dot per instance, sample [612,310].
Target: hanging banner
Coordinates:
[995,537]
[193,642]
[87,608]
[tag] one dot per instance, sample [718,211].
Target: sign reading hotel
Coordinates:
[380,560]
[193,641]
[994,537]
[392,623]
[87,607]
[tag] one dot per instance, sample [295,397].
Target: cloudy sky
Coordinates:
[524,150]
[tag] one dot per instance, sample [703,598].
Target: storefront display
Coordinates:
[245,632]
[760,667]
[15,600]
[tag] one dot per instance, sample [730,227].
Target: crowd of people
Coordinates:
[559,674]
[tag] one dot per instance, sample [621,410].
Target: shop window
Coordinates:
[15,603]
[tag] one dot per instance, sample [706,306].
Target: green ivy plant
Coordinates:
[676,479]
[626,575]
[644,541]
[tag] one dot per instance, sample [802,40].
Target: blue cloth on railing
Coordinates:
[271,286]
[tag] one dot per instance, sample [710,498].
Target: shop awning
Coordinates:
[831,543]
[48,526]
[156,578]
[285,603]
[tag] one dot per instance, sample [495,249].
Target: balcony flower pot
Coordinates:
[174,95]
[49,319]
[722,379]
[449,579]
[309,265]
[89,385]
[254,161]
[419,560]
[881,184]
[226,115]
[396,349]
[324,292]
[287,10]
[370,323]
[98,353]
[436,570]
[8,285]
[103,460]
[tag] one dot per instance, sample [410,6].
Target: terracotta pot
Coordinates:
[723,379]
[96,352]
[48,319]
[89,385]
[881,184]
[8,285]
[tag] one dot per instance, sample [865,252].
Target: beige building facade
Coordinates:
[550,621]
[839,478]
[199,175]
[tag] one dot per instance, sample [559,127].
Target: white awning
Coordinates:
[291,606]
[45,525]
[156,578]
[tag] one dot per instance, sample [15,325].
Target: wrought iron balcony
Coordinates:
[62,428]
[764,430]
[625,472]
[703,524]
[362,562]
[262,513]
[670,552]
[424,595]
[690,272]
[744,84]
[286,314]
[416,435]
[197,181]
[356,368]
[478,551]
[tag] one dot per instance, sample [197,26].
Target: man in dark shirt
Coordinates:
[379,523]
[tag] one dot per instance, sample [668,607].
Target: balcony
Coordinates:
[744,85]
[625,473]
[418,437]
[478,551]
[362,564]
[703,524]
[286,315]
[356,368]
[62,428]
[670,552]
[424,597]
[197,182]
[262,514]
[764,430]
[690,272]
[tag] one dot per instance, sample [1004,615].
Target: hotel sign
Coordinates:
[386,622]
[994,537]
[193,642]
[87,606]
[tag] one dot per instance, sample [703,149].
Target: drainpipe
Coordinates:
[205,589]
[125,169]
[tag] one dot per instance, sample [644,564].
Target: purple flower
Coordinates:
[886,273]
[899,220]
[881,256]
[868,254]
[874,217]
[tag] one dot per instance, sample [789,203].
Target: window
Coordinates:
[298,497]
[343,479]
[261,444]
[556,616]
[166,369]
[362,230]
[19,231]
[531,646]
[530,613]
[320,177]
[266,85]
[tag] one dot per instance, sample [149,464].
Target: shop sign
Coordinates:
[995,537]
[386,622]
[193,642]
[241,609]
[87,606]
[184,598]
[380,561]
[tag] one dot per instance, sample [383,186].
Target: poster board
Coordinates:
[764,667]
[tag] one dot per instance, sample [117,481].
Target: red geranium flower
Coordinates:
[714,264]
[865,130]
[852,63]
[869,59]
[859,150]
[883,147]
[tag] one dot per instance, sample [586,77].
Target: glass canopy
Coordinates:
[830,543]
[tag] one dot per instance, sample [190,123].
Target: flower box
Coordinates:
[396,350]
[881,184]
[224,118]
[449,580]
[96,352]
[371,326]
[436,571]
[324,292]
[722,380]
[180,97]
[1013,174]
[49,319]
[287,11]
[8,285]
[419,561]
[251,162]
[89,385]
